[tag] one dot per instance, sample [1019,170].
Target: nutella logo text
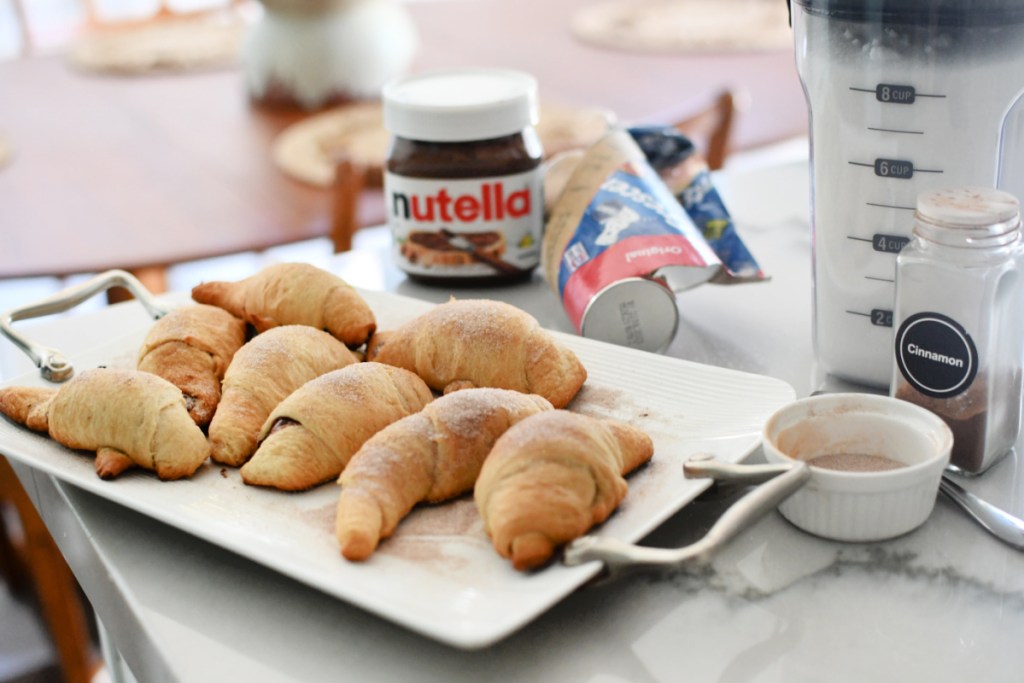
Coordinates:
[489,204]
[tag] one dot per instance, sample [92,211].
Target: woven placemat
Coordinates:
[682,26]
[308,150]
[167,45]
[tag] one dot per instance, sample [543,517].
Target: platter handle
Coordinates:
[618,555]
[52,364]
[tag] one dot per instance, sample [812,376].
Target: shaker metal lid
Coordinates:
[460,105]
[920,12]
[968,206]
[967,216]
[636,312]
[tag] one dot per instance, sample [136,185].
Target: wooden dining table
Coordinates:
[140,172]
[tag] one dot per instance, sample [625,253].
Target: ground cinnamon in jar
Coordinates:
[966,416]
[959,332]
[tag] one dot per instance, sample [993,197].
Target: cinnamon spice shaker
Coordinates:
[959,321]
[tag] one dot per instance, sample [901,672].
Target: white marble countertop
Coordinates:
[943,603]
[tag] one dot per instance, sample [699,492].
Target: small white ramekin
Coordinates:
[860,506]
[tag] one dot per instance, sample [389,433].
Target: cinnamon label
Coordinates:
[936,355]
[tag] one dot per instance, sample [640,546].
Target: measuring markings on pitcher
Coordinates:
[888,244]
[880,317]
[895,130]
[899,169]
[895,94]
[891,206]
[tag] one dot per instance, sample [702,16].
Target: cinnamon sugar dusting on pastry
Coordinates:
[349,384]
[278,340]
[602,401]
[321,517]
[460,416]
[426,550]
[427,534]
[340,384]
[284,345]
[464,411]
[458,517]
[478,319]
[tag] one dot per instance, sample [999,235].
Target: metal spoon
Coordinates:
[999,523]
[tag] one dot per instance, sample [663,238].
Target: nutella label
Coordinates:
[479,227]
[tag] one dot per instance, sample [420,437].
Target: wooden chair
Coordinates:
[355,201]
[31,561]
[154,278]
[711,129]
[349,182]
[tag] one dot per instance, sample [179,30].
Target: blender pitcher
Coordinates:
[903,96]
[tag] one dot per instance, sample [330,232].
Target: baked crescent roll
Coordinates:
[551,477]
[482,343]
[431,456]
[263,372]
[294,294]
[191,347]
[310,437]
[128,417]
[27,406]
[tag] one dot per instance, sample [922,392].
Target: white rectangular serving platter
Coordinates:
[439,574]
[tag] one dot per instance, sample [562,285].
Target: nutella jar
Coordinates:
[463,183]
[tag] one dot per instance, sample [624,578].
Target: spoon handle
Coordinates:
[999,523]
[707,467]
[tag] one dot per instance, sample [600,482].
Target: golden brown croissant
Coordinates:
[312,434]
[128,417]
[482,343]
[431,456]
[27,405]
[263,372]
[191,348]
[294,294]
[553,476]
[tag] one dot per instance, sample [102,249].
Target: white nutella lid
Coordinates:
[460,105]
